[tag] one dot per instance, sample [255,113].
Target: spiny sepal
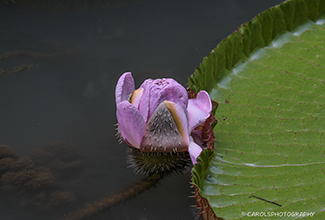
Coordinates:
[148,163]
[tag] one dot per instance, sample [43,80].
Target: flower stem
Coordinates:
[108,202]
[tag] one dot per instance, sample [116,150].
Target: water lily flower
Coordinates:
[159,117]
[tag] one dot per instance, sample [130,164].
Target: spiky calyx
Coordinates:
[148,163]
[115,199]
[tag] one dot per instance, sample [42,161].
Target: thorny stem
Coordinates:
[108,202]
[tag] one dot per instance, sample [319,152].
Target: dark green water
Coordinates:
[68,93]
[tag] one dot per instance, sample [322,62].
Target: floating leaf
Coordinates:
[268,78]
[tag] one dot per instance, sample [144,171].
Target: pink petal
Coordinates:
[131,123]
[144,100]
[194,150]
[199,109]
[124,87]
[158,90]
[173,92]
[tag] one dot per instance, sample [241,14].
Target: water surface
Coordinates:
[67,94]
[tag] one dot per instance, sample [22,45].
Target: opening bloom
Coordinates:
[159,117]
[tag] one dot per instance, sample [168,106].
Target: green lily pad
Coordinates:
[269,80]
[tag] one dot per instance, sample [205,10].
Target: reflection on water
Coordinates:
[39,182]
[58,72]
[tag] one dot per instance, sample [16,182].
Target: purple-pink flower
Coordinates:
[159,117]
